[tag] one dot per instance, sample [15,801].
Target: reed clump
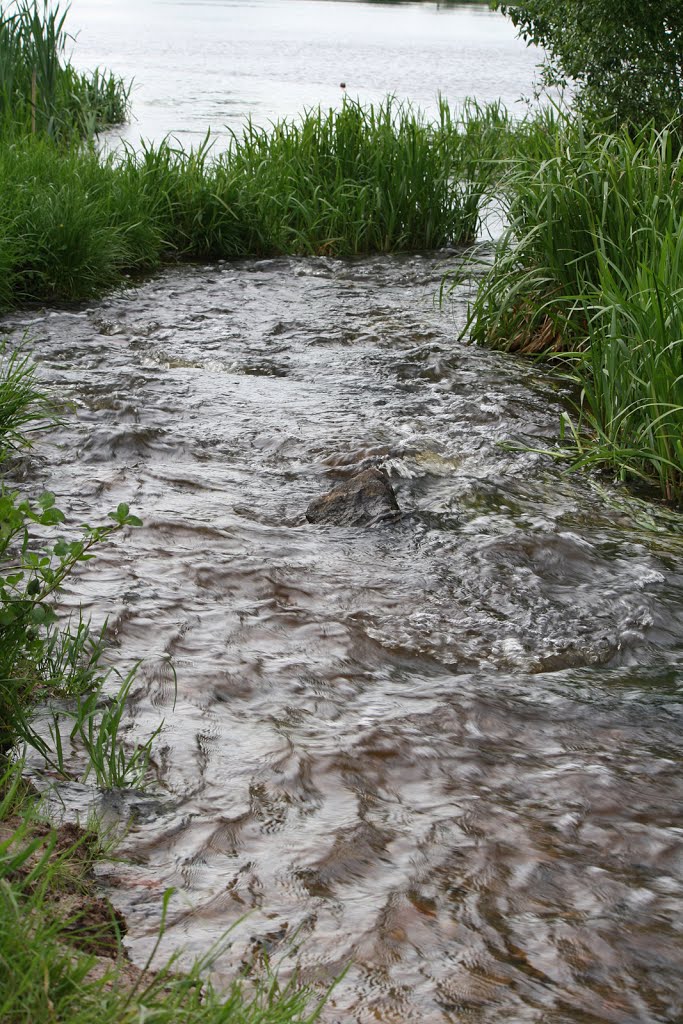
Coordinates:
[40,91]
[590,270]
[337,183]
[357,180]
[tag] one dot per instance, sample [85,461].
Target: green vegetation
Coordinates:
[591,266]
[39,659]
[339,183]
[625,59]
[40,92]
[61,960]
[24,407]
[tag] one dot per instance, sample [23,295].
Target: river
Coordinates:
[444,750]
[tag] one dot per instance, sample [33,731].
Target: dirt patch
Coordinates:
[60,860]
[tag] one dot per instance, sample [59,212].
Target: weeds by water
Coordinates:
[39,657]
[24,406]
[591,267]
[362,179]
[40,91]
[34,568]
[95,721]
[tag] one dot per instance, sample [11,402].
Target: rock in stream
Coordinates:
[362,500]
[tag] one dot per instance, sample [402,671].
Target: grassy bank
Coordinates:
[359,180]
[590,271]
[340,183]
[61,958]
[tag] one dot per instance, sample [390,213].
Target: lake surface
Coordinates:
[204,64]
[445,750]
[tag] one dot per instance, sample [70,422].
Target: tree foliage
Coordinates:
[625,58]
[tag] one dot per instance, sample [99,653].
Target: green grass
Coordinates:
[338,183]
[95,719]
[591,267]
[40,92]
[631,374]
[62,964]
[25,407]
[363,179]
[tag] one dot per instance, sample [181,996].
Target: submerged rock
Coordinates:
[363,499]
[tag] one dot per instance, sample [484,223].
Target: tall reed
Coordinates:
[591,266]
[40,92]
[631,374]
[361,179]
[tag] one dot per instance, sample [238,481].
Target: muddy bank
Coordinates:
[60,859]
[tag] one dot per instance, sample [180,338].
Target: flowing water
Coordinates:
[445,750]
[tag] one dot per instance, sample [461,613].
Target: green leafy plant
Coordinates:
[625,59]
[32,572]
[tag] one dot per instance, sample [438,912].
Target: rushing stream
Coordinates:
[446,749]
